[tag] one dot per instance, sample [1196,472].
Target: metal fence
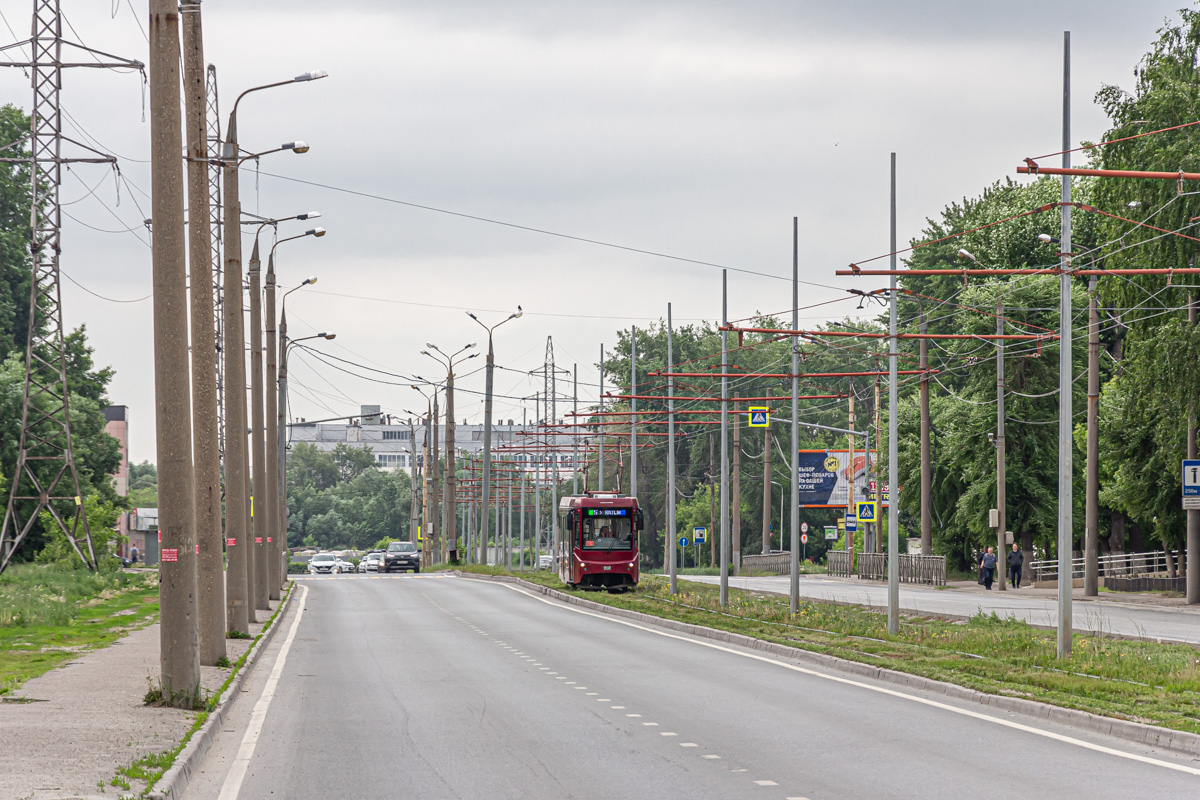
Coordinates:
[929,570]
[775,563]
[1112,565]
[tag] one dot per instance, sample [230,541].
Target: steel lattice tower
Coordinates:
[215,223]
[45,471]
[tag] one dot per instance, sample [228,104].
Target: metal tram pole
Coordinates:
[1065,383]
[724,439]
[794,583]
[893,541]
[633,476]
[601,400]
[575,430]
[179,658]
[669,540]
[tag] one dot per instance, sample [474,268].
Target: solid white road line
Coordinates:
[241,762]
[1058,737]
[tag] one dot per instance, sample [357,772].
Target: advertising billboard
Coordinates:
[824,477]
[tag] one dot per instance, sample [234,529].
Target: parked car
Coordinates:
[400,556]
[323,564]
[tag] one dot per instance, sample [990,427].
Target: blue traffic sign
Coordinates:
[683,541]
[700,535]
[1191,477]
[760,416]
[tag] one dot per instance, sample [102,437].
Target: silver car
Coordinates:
[323,564]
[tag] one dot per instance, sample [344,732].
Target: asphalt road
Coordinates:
[442,687]
[1106,615]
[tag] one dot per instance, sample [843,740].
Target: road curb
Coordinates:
[1177,741]
[173,782]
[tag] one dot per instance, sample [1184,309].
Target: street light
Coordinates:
[429,487]
[487,431]
[239,579]
[448,506]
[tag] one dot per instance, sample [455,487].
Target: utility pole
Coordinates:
[448,498]
[523,472]
[736,497]
[873,468]
[426,485]
[433,522]
[551,371]
[633,476]
[1001,478]
[850,508]
[239,602]
[601,437]
[1091,512]
[575,431]
[537,489]
[179,638]
[712,505]
[210,585]
[412,482]
[258,440]
[1065,382]
[672,530]
[766,524]
[1192,580]
[794,535]
[893,546]
[926,467]
[724,438]
[276,543]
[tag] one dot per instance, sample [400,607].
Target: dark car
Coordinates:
[400,556]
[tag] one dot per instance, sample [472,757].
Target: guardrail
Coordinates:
[1112,565]
[930,570]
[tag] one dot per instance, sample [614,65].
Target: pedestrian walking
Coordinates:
[1015,560]
[987,565]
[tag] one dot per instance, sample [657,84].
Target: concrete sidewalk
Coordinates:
[64,735]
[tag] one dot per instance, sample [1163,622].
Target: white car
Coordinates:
[345,566]
[323,564]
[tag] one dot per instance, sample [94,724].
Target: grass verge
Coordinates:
[50,613]
[149,769]
[1148,682]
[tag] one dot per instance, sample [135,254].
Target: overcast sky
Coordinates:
[696,129]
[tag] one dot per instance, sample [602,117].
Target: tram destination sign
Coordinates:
[606,512]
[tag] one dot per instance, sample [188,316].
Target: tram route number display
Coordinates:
[824,477]
[606,512]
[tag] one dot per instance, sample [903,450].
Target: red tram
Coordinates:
[598,542]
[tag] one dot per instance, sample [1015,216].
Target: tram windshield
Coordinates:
[607,529]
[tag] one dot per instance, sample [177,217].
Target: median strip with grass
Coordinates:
[50,613]
[1140,681]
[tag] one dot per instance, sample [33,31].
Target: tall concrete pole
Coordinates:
[893,531]
[926,471]
[735,495]
[553,411]
[1001,451]
[724,439]
[258,441]
[766,517]
[238,598]
[537,490]
[794,583]
[1091,512]
[712,506]
[427,472]
[210,570]
[672,529]
[276,542]
[522,516]
[281,436]
[1065,382]
[601,437]
[633,476]
[449,499]
[412,482]
[1192,579]
[875,530]
[433,521]
[179,639]
[850,507]
[487,451]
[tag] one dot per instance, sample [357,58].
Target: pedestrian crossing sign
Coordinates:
[760,416]
[868,512]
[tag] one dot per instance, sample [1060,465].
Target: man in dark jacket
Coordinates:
[988,565]
[1015,559]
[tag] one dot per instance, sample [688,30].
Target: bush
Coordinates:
[295,568]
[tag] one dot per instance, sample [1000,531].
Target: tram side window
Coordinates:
[607,533]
